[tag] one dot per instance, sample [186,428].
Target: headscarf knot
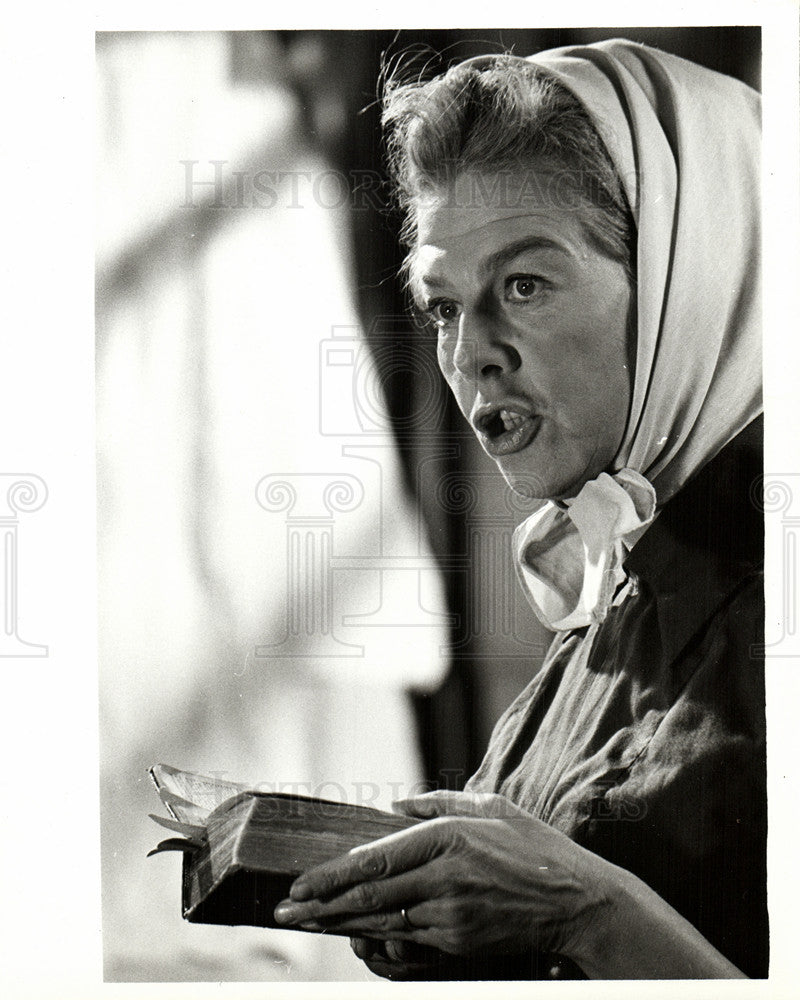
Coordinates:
[570,560]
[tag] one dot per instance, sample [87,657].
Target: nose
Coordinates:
[484,348]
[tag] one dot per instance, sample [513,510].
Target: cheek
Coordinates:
[612,399]
[594,371]
[444,358]
[459,387]
[622,365]
[615,362]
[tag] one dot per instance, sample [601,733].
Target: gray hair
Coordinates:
[502,113]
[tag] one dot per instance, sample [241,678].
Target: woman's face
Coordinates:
[533,327]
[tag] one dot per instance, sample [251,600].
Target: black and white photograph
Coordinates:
[418,509]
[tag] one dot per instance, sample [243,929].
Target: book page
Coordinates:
[190,798]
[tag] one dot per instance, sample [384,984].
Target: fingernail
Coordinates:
[300,891]
[285,913]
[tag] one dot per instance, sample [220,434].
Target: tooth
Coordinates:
[511,419]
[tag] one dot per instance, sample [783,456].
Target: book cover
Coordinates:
[242,849]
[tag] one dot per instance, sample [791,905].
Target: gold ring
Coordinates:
[406,922]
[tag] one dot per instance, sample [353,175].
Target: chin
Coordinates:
[555,485]
[528,484]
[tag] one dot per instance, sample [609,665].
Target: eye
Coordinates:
[443,313]
[522,287]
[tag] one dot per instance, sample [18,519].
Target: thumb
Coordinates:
[452,803]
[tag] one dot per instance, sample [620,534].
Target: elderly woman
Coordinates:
[583,232]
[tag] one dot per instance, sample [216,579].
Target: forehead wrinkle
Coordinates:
[415,280]
[486,266]
[511,250]
[432,220]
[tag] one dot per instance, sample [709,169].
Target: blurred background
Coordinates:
[303,555]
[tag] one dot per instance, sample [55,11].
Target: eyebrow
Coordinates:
[500,257]
[512,250]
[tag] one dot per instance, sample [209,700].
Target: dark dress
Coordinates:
[643,738]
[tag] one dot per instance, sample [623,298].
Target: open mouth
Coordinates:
[503,431]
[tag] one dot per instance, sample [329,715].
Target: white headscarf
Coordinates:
[686,143]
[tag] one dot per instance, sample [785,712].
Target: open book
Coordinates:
[242,849]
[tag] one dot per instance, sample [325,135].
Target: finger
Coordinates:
[399,971]
[381,926]
[360,947]
[373,950]
[405,951]
[408,952]
[387,925]
[385,952]
[452,803]
[366,897]
[390,855]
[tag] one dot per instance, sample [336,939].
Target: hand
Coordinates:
[480,875]
[405,960]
